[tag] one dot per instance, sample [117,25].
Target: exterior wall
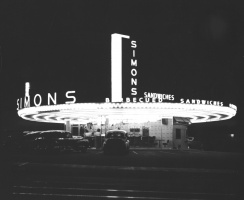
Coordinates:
[180,143]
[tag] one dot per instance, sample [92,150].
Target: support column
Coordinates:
[68,126]
[106,124]
[171,123]
[78,129]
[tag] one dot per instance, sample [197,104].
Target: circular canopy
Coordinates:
[81,113]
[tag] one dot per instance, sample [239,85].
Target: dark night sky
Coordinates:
[192,49]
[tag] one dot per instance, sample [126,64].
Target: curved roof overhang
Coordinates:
[81,113]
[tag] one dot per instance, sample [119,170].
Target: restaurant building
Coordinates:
[148,116]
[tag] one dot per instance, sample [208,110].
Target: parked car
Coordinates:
[47,141]
[61,140]
[116,142]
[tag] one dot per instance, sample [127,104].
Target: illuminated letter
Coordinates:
[70,97]
[133,44]
[141,100]
[116,66]
[133,72]
[107,100]
[40,101]
[134,53]
[134,99]
[127,99]
[18,104]
[27,102]
[147,100]
[54,100]
[203,102]
[133,81]
[133,91]
[181,100]
[133,62]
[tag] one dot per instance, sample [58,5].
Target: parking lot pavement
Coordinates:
[160,174]
[140,158]
[74,168]
[99,185]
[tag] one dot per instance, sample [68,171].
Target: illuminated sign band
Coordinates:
[80,113]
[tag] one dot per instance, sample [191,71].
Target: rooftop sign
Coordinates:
[156,104]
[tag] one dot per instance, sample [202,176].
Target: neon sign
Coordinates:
[133,71]
[37,100]
[116,75]
[116,67]
[116,84]
[160,97]
[203,102]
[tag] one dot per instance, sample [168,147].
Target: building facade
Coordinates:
[165,133]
